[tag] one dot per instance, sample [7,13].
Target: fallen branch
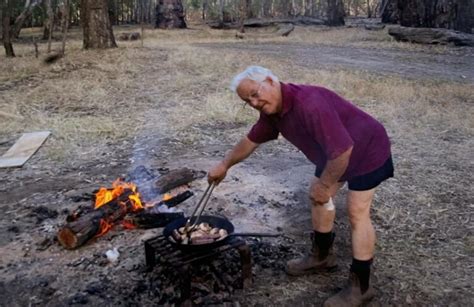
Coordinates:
[285,29]
[258,22]
[431,36]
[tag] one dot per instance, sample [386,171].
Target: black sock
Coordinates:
[323,241]
[362,269]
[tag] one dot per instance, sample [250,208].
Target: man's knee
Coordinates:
[358,206]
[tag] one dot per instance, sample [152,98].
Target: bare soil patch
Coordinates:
[411,64]
[166,106]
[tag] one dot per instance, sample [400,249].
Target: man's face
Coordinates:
[264,96]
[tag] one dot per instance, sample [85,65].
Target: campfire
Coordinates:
[122,204]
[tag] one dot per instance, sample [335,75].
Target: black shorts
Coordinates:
[370,180]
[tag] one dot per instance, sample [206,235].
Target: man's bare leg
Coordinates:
[363,233]
[321,217]
[321,256]
[358,290]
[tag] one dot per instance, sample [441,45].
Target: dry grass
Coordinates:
[78,97]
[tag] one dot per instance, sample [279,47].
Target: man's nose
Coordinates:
[254,102]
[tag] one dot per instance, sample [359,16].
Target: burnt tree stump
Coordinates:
[170,14]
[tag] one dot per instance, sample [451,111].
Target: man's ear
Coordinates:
[270,80]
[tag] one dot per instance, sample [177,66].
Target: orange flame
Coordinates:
[128,225]
[104,195]
[103,228]
[166,196]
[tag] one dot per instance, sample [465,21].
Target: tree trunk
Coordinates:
[389,11]
[243,13]
[465,16]
[24,15]
[205,4]
[170,14]
[6,13]
[450,14]
[65,25]
[335,13]
[46,23]
[98,32]
[248,9]
[221,11]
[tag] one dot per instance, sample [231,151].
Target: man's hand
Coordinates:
[319,192]
[217,173]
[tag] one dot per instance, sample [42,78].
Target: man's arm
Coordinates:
[324,187]
[335,169]
[238,153]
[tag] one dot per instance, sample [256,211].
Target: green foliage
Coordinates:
[195,4]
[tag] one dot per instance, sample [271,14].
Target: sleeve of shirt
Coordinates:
[263,130]
[327,128]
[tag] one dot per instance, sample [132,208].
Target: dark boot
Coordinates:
[320,258]
[351,295]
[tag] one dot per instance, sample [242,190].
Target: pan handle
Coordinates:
[253,234]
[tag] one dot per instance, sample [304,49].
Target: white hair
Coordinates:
[255,73]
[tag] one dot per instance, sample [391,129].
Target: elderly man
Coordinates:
[346,145]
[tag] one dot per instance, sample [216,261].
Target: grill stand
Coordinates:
[159,251]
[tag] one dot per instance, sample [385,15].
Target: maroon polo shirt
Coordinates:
[323,125]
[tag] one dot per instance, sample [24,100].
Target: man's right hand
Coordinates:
[217,173]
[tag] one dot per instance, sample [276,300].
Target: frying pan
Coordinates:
[215,222]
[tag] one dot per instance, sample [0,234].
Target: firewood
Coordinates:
[175,179]
[147,220]
[431,36]
[76,233]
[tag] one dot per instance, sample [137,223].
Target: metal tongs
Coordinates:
[200,207]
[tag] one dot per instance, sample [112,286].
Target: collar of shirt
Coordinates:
[287,98]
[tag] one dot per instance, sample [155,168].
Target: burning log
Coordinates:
[155,217]
[123,203]
[96,222]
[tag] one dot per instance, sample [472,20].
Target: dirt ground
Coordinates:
[165,105]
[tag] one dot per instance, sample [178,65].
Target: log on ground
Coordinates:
[147,220]
[77,232]
[285,29]
[175,179]
[431,36]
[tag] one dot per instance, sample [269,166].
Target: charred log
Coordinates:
[86,225]
[175,179]
[172,202]
[431,36]
[147,220]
